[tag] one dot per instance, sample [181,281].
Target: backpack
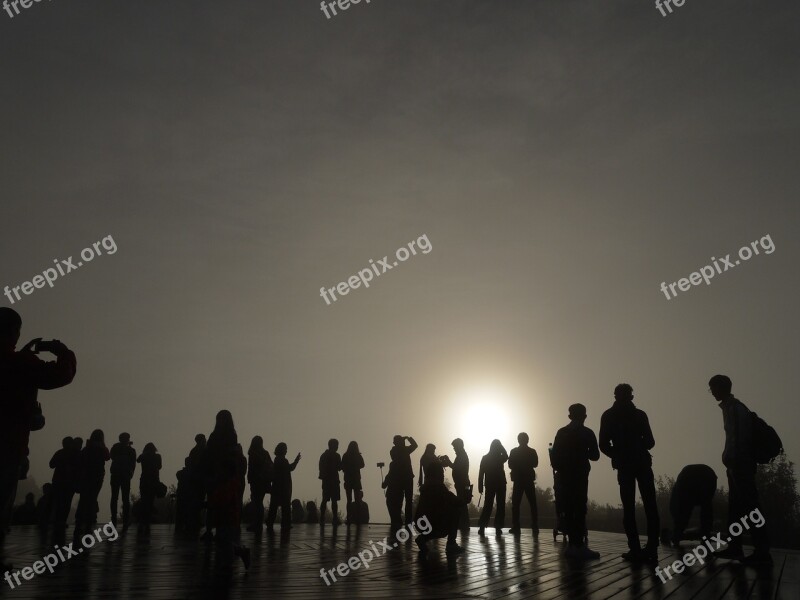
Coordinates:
[766,442]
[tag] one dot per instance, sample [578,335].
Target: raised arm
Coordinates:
[412,444]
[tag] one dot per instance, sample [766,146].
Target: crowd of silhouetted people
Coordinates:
[216,473]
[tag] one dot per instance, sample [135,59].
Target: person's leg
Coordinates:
[749,502]
[647,489]
[500,515]
[334,512]
[286,513]
[272,512]
[115,485]
[486,513]
[126,501]
[735,511]
[323,508]
[409,500]
[706,516]
[627,494]
[516,499]
[680,520]
[530,492]
[9,477]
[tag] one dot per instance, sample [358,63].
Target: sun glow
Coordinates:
[485,415]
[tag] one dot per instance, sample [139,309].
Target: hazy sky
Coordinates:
[563,158]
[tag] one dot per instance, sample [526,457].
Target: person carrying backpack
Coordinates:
[739,458]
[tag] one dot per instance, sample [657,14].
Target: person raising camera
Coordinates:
[22,375]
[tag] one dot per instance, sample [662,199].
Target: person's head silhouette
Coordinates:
[496,447]
[256,444]
[523,439]
[67,443]
[458,444]
[430,450]
[577,412]
[10,328]
[623,392]
[398,440]
[720,386]
[125,439]
[281,449]
[149,448]
[200,439]
[352,448]
[333,444]
[97,438]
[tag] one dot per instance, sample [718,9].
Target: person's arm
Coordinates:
[421,473]
[139,460]
[555,452]
[481,474]
[594,451]
[55,374]
[605,437]
[294,464]
[158,462]
[535,461]
[512,459]
[647,433]
[54,460]
[412,444]
[503,455]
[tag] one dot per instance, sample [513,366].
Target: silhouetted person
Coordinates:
[25,514]
[22,375]
[460,467]
[220,448]
[740,465]
[298,512]
[259,476]
[225,502]
[358,510]
[573,449]
[395,493]
[149,483]
[282,489]
[523,461]
[92,473]
[312,514]
[441,508]
[183,495]
[330,463]
[403,471]
[626,438]
[427,459]
[64,463]
[492,477]
[352,463]
[123,464]
[694,486]
[197,483]
[44,507]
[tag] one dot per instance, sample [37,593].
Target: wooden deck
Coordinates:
[170,567]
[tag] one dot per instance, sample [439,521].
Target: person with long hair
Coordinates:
[352,463]
[492,475]
[149,484]
[259,476]
[92,473]
[220,447]
[427,459]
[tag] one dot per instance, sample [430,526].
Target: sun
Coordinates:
[485,415]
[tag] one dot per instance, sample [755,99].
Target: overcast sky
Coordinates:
[563,158]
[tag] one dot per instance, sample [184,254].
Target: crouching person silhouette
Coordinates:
[440,510]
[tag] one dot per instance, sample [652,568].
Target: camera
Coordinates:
[381,465]
[46,346]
